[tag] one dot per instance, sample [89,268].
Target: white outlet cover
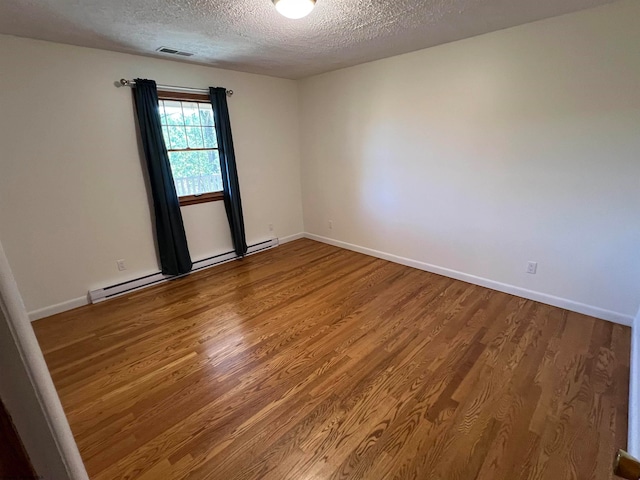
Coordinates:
[532,267]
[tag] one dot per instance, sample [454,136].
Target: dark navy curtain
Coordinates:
[172,240]
[230,183]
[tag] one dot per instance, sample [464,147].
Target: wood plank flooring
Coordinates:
[312,362]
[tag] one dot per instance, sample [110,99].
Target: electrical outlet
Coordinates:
[532,267]
[330,224]
[121,265]
[271,227]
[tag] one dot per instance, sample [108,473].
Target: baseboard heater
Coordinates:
[138,283]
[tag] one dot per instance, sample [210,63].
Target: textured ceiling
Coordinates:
[249,35]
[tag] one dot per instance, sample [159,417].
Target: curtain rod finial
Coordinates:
[124,82]
[229,93]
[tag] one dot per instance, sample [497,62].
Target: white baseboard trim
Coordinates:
[565,303]
[585,309]
[58,308]
[633,439]
[82,301]
[291,238]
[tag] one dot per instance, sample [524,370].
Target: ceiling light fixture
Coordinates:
[294,8]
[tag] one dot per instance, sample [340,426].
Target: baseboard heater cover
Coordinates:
[112,291]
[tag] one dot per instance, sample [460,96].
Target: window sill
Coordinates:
[204,198]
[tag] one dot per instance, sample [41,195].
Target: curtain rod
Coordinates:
[172,88]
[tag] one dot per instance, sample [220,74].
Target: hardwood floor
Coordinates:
[311,362]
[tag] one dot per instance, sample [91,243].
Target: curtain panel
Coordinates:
[172,240]
[230,182]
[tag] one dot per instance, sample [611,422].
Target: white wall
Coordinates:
[483,154]
[28,393]
[475,156]
[72,192]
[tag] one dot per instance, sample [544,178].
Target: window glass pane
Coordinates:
[184,166]
[194,137]
[173,111]
[210,140]
[163,117]
[165,134]
[205,183]
[216,176]
[196,172]
[190,111]
[177,137]
[206,115]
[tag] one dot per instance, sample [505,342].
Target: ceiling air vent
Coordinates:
[173,51]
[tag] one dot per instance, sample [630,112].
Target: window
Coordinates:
[190,136]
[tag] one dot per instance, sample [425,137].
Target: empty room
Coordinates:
[320,239]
